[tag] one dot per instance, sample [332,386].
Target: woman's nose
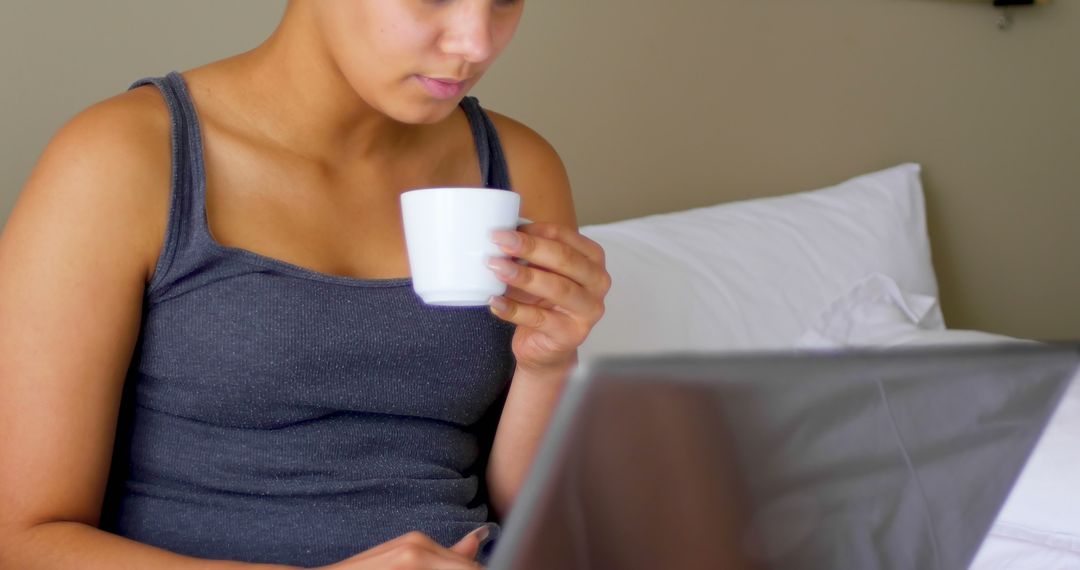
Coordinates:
[468,32]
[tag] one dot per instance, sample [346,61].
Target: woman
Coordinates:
[209,349]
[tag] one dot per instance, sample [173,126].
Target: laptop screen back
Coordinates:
[897,459]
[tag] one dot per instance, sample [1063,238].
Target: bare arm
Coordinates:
[549,330]
[74,259]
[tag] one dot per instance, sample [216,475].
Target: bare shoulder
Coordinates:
[108,168]
[537,172]
[73,266]
[123,136]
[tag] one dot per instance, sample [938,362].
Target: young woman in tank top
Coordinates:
[210,354]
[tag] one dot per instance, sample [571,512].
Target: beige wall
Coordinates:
[662,105]
[658,106]
[59,56]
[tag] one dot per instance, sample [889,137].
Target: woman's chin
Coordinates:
[423,113]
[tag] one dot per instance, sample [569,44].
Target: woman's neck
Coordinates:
[290,91]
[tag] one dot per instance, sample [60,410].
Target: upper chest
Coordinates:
[342,220]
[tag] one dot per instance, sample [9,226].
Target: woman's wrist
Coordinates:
[547,372]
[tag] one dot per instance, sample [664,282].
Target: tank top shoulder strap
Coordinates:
[188,243]
[188,202]
[493,165]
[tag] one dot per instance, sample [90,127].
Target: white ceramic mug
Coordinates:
[448,238]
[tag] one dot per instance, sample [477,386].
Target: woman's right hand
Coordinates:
[416,551]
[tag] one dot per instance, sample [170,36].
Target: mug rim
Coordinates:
[455,189]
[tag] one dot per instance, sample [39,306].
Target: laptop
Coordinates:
[898,458]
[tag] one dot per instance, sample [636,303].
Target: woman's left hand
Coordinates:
[554,300]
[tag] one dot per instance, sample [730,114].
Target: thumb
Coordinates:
[469,546]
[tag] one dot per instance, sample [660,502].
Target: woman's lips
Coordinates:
[442,88]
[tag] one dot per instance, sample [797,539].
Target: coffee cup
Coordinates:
[448,239]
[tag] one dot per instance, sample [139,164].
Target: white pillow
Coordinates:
[753,274]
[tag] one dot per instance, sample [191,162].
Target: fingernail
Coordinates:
[482,533]
[503,266]
[499,304]
[506,239]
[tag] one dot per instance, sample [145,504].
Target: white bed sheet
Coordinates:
[1012,547]
[1039,525]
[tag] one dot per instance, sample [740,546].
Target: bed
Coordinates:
[845,266]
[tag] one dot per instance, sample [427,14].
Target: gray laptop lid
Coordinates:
[870,459]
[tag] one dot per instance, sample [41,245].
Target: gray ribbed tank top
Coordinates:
[279,415]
